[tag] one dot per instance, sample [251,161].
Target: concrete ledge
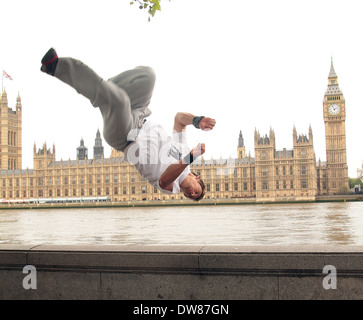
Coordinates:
[180,272]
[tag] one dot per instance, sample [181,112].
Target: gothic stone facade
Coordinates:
[10,134]
[273,175]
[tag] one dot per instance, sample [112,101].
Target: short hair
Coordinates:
[200,181]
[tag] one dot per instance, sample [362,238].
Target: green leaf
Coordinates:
[152,11]
[156,4]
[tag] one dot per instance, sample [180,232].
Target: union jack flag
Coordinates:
[6,75]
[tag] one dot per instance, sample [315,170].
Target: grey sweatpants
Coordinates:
[123,100]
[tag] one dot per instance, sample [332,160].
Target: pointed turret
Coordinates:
[82,151]
[294,134]
[241,152]
[333,86]
[310,134]
[43,157]
[332,73]
[4,94]
[272,136]
[240,140]
[18,103]
[256,136]
[4,100]
[98,148]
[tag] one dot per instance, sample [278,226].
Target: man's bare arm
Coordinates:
[181,120]
[174,170]
[171,174]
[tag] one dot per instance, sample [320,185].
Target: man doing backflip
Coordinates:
[123,101]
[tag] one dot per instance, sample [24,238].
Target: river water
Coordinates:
[241,225]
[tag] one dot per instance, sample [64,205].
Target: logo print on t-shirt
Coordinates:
[175,153]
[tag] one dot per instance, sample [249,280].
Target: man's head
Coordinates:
[193,187]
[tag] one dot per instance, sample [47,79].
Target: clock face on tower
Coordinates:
[334,109]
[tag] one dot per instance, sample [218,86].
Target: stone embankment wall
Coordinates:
[185,272]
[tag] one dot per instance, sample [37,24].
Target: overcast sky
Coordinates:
[248,64]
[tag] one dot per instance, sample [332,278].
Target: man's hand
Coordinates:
[183,119]
[198,150]
[207,124]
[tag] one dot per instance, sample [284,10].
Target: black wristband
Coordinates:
[188,159]
[196,121]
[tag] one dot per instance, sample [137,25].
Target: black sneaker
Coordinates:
[49,62]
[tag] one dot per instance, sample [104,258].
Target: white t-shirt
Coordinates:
[154,151]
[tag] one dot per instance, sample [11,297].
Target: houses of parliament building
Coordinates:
[272,175]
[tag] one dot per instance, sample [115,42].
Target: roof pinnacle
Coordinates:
[332,73]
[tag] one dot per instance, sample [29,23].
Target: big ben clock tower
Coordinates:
[336,151]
